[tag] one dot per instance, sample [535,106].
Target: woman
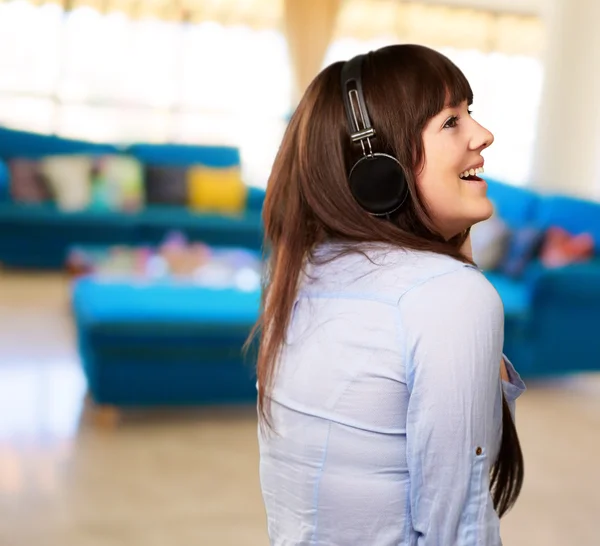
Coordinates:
[384,398]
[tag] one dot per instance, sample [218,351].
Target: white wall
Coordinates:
[527,7]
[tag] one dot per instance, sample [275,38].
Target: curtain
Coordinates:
[441,26]
[309,26]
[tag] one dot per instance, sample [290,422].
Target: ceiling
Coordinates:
[526,7]
[174,8]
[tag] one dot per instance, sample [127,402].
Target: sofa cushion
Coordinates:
[168,302]
[572,214]
[244,230]
[37,227]
[39,235]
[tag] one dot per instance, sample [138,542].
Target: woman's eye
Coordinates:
[451,122]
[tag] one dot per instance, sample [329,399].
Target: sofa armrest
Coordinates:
[571,284]
[565,318]
[255,199]
[4,182]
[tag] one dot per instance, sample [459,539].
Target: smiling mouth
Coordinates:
[471,175]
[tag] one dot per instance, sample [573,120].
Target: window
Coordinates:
[109,78]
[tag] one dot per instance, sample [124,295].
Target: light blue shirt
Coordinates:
[387,405]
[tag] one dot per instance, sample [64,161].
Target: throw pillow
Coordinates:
[216,190]
[117,183]
[69,179]
[166,185]
[561,248]
[523,247]
[27,182]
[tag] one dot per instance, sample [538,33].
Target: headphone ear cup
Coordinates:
[378,184]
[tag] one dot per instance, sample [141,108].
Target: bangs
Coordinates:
[444,85]
[458,89]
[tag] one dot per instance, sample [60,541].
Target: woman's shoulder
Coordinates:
[453,289]
[386,271]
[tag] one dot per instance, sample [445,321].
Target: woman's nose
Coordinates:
[482,138]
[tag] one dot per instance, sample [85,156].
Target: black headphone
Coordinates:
[377,180]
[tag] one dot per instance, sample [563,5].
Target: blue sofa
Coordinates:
[552,324]
[552,315]
[39,236]
[176,343]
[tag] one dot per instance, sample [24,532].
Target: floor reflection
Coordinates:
[40,409]
[40,403]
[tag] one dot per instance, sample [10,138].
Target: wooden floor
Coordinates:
[184,479]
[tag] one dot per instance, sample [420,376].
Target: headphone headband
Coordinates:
[354,100]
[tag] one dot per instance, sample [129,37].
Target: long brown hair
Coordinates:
[308,200]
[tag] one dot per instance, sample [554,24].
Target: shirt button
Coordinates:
[478,451]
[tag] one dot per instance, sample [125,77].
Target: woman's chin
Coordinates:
[478,211]
[481,211]
[469,221]
[487,210]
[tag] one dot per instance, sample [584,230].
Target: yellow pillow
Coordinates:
[216,190]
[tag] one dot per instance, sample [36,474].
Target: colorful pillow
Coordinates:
[117,183]
[69,179]
[27,182]
[166,185]
[561,248]
[216,190]
[523,246]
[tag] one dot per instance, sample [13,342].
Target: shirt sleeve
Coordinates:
[514,387]
[453,328]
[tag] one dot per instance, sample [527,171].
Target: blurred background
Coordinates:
[136,140]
